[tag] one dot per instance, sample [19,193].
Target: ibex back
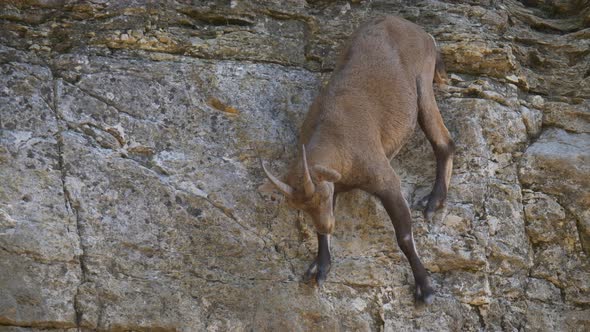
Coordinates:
[381,86]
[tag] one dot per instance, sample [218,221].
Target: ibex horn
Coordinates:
[283,187]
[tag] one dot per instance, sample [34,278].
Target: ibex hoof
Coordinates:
[319,280]
[432,203]
[422,203]
[311,271]
[319,270]
[424,295]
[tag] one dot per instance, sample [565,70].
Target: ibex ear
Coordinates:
[267,187]
[326,174]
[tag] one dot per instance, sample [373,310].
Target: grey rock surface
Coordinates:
[130,133]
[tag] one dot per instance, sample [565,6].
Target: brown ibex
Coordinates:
[381,85]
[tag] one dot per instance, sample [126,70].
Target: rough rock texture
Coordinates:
[130,137]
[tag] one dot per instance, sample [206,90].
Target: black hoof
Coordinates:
[423,202]
[311,271]
[322,274]
[424,295]
[317,270]
[433,204]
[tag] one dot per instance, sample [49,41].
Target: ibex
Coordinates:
[381,85]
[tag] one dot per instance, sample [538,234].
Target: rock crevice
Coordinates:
[130,138]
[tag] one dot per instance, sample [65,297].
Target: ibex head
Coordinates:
[314,193]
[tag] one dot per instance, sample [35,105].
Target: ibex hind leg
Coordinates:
[433,126]
[394,203]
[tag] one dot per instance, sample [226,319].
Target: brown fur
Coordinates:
[380,88]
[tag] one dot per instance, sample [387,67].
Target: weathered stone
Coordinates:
[470,288]
[550,317]
[39,245]
[36,293]
[546,220]
[503,315]
[32,329]
[574,118]
[508,245]
[552,163]
[480,57]
[542,290]
[455,316]
[533,120]
[565,270]
[558,164]
[130,138]
[510,288]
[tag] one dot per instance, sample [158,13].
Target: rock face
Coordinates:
[130,138]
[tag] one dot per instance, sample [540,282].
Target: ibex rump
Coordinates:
[381,86]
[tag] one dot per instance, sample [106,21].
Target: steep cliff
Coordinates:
[130,137]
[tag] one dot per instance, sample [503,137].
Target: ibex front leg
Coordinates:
[397,208]
[321,265]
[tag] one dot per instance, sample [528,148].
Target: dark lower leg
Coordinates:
[405,240]
[434,128]
[398,211]
[321,265]
[444,164]
[424,291]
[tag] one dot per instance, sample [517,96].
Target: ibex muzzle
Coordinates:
[380,88]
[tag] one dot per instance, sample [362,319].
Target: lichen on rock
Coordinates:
[130,134]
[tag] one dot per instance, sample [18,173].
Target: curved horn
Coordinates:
[307,182]
[283,187]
